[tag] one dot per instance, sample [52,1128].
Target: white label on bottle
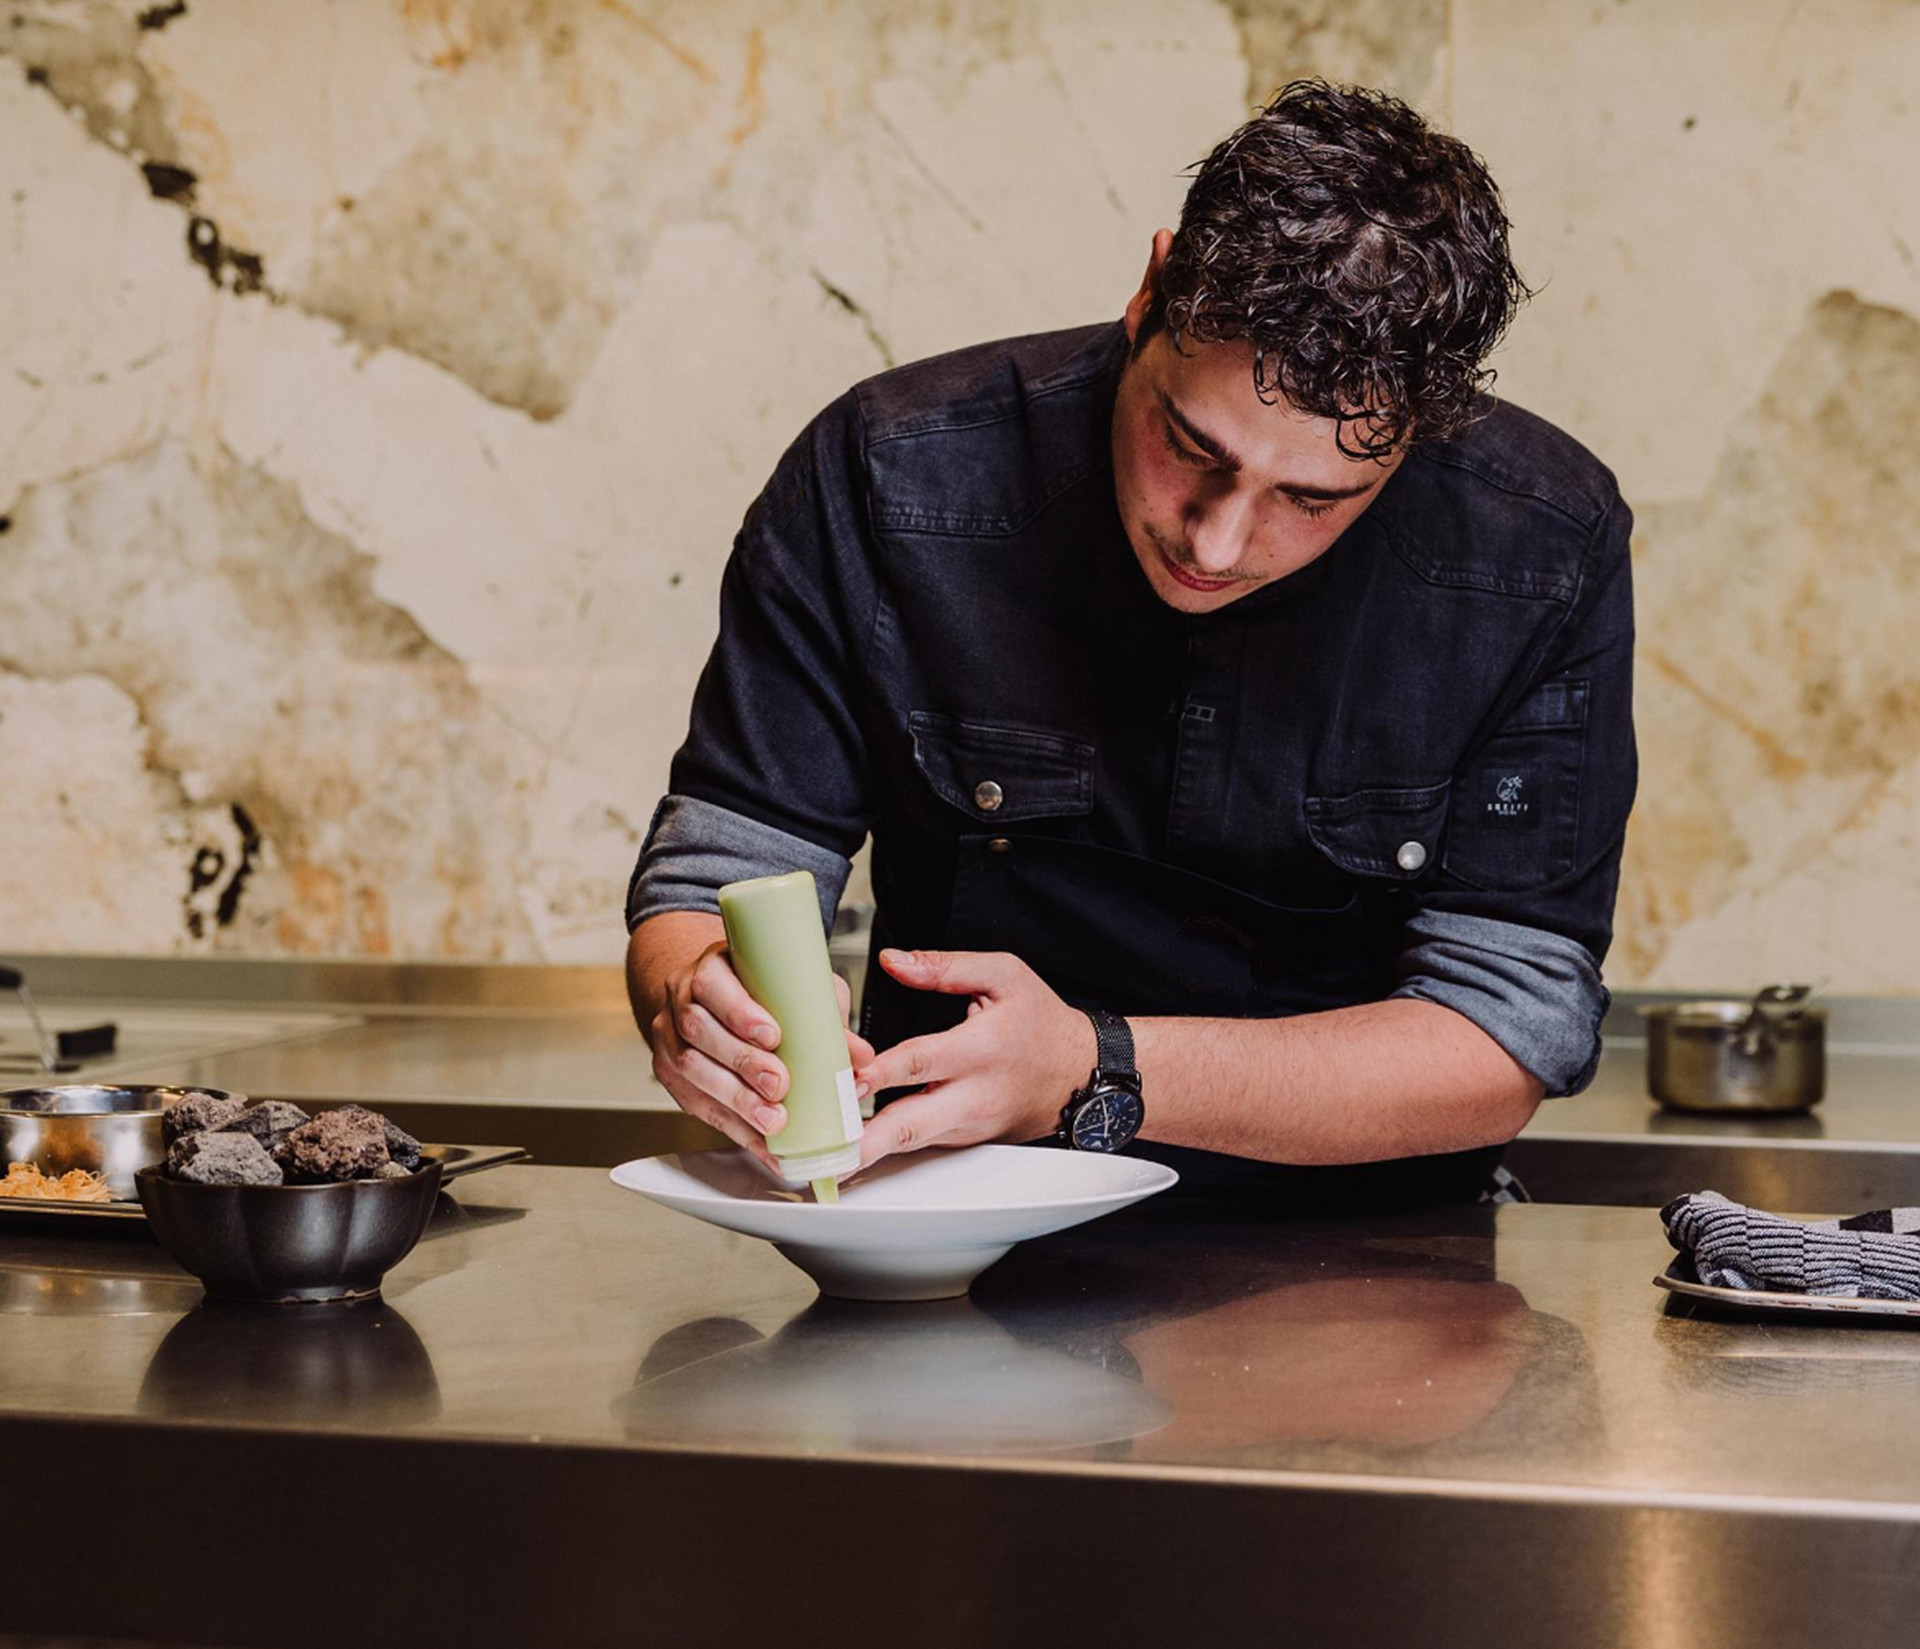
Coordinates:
[849,1104]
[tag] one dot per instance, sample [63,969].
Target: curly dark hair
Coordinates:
[1360,254]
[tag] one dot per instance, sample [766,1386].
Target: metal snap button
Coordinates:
[987,796]
[999,844]
[1411,856]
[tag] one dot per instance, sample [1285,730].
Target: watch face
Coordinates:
[1108,1121]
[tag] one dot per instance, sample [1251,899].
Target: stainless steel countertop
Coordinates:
[1873,1098]
[592,1060]
[601,1413]
[1859,1148]
[1519,1351]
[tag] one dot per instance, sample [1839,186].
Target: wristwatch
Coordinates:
[1108,1111]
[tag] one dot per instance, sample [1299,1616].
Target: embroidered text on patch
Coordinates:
[1508,797]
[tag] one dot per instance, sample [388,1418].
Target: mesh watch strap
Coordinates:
[1115,1039]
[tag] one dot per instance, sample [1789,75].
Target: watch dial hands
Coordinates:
[1095,1124]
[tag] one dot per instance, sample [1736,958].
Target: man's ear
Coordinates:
[1142,300]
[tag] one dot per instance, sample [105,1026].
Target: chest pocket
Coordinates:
[1385,836]
[1516,812]
[996,774]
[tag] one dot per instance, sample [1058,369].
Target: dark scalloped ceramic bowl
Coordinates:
[289,1244]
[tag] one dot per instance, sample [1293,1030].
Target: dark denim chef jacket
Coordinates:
[1404,770]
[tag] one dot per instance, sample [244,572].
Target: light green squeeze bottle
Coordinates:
[779,949]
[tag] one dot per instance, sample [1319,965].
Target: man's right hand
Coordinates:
[712,1043]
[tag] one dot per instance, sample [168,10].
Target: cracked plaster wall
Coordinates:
[1718,204]
[381,382]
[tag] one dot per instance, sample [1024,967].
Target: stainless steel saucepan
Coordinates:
[1729,1056]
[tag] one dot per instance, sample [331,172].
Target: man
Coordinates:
[1237,697]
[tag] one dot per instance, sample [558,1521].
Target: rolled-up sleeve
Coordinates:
[693,849]
[774,775]
[1536,993]
[1514,931]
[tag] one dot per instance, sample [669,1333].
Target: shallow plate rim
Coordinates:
[707,1197]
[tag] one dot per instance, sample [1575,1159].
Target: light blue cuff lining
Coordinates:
[694,848]
[1536,993]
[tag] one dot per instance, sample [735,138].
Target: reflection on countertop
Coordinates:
[1523,1346]
[1358,1422]
[852,1376]
[355,1363]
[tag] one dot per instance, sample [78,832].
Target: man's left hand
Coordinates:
[1004,1074]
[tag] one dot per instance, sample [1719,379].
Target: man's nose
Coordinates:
[1218,530]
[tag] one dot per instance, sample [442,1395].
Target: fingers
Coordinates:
[844,991]
[702,1106]
[684,1069]
[947,1116]
[706,1066]
[748,1065]
[717,988]
[908,1064]
[716,1115]
[716,1040]
[957,972]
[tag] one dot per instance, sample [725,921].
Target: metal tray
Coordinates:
[1680,1278]
[454,1160]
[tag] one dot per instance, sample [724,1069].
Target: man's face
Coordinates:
[1222,493]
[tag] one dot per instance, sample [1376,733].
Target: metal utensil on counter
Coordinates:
[59,1051]
[1768,1055]
[109,1130]
[12,979]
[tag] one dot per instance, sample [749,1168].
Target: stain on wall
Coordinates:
[316,752]
[381,384]
[1398,45]
[474,255]
[87,58]
[87,55]
[1779,684]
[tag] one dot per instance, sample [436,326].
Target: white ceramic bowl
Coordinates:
[920,1227]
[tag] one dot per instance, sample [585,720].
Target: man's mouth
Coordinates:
[1193,581]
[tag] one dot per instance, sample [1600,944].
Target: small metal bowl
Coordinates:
[107,1129]
[290,1244]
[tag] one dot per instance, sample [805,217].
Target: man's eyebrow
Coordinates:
[1226,459]
[1218,451]
[1328,495]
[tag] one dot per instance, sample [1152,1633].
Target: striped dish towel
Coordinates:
[1873,1256]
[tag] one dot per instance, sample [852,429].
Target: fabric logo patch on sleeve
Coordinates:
[1508,798]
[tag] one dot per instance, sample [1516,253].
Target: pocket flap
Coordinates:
[1000,774]
[1552,704]
[1390,833]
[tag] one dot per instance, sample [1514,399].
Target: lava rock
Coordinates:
[209,1158]
[196,1113]
[270,1122]
[337,1145]
[402,1147]
[393,1170]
